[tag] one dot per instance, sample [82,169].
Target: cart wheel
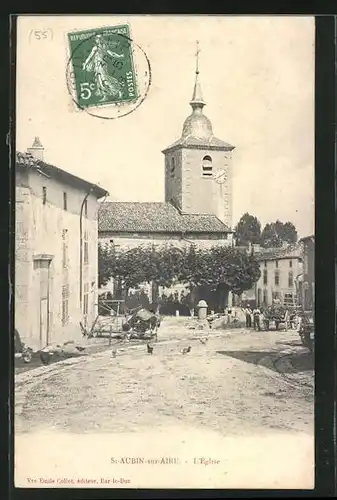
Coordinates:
[27,357]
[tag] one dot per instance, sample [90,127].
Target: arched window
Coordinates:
[207,166]
[173,167]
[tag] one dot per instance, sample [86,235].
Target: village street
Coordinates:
[240,384]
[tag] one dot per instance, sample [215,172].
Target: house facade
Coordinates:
[280,269]
[56,240]
[308,279]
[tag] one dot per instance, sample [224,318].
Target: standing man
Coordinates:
[248,313]
[256,318]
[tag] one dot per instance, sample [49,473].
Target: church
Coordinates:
[198,196]
[198,192]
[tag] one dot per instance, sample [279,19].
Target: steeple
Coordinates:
[197,124]
[191,161]
[197,101]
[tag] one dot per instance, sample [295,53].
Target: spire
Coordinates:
[197,101]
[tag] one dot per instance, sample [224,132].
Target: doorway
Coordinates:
[42,267]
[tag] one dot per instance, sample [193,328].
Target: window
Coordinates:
[290,279]
[288,299]
[290,263]
[265,296]
[65,304]
[276,295]
[86,247]
[86,299]
[207,167]
[277,277]
[44,195]
[265,277]
[65,201]
[276,263]
[173,167]
[85,208]
[65,248]
[265,263]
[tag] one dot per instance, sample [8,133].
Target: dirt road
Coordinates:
[239,384]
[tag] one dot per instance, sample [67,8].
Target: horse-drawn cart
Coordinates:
[142,324]
[122,323]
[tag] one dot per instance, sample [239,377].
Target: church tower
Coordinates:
[198,171]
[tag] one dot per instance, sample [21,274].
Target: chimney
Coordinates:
[36,150]
[256,247]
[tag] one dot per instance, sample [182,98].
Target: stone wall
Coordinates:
[39,231]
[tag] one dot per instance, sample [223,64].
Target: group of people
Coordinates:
[254,317]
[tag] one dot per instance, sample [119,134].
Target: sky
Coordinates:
[257,78]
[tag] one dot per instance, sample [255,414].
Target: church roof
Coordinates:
[155,217]
[195,142]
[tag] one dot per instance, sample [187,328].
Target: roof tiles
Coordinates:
[156,217]
[27,160]
[195,142]
[292,251]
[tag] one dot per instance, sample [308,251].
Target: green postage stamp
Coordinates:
[103,67]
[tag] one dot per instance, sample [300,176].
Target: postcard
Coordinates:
[164,252]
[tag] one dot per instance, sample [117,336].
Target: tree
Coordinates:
[222,269]
[276,233]
[134,266]
[248,230]
[104,264]
[223,265]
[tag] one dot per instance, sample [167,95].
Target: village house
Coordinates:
[56,245]
[281,270]
[308,279]
[198,193]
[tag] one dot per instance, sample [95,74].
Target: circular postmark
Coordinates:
[108,75]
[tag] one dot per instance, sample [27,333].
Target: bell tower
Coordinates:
[198,166]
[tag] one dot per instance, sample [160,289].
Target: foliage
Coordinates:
[227,266]
[140,264]
[165,265]
[105,263]
[248,230]
[276,233]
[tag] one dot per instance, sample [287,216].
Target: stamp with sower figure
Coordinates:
[103,66]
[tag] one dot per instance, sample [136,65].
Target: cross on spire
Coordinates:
[197,102]
[197,58]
